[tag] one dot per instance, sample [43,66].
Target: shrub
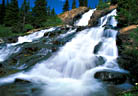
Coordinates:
[5,31]
[27,27]
[102,5]
[52,21]
[127,10]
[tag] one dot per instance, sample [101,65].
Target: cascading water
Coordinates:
[70,71]
[9,49]
[85,18]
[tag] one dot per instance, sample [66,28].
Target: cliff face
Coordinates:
[99,13]
[70,16]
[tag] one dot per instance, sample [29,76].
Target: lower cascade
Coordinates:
[86,65]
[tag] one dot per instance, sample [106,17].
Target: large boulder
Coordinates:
[12,39]
[112,77]
[1,40]
[70,16]
[99,13]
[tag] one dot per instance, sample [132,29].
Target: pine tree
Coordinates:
[66,6]
[2,12]
[74,4]
[39,12]
[7,3]
[53,12]
[48,11]
[81,2]
[86,3]
[24,12]
[12,14]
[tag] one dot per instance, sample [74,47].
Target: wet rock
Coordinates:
[98,14]
[13,39]
[99,61]
[50,34]
[54,49]
[97,47]
[1,40]
[111,77]
[1,65]
[80,28]
[56,42]
[18,80]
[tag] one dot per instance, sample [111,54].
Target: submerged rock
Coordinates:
[18,80]
[111,77]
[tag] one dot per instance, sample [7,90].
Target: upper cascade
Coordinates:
[85,18]
[70,16]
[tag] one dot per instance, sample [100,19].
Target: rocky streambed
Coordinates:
[29,53]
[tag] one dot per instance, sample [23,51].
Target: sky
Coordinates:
[58,4]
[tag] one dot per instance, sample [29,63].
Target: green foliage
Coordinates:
[113,2]
[27,27]
[102,5]
[24,15]
[66,6]
[74,4]
[129,60]
[2,12]
[132,92]
[8,31]
[53,12]
[5,31]
[127,10]
[83,3]
[52,21]
[12,14]
[86,3]
[39,13]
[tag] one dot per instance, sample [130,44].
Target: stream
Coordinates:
[64,64]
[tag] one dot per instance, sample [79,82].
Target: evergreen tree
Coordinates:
[2,12]
[39,12]
[66,6]
[53,12]
[7,3]
[24,12]
[86,3]
[12,14]
[113,2]
[48,11]
[81,2]
[74,4]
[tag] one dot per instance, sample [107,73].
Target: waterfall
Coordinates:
[9,49]
[85,18]
[70,71]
